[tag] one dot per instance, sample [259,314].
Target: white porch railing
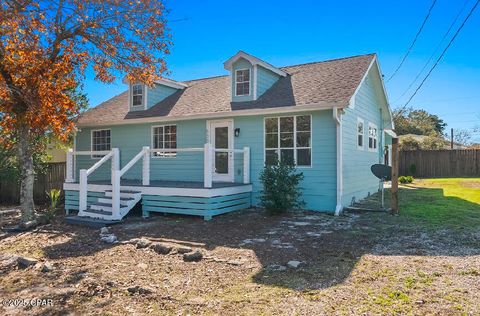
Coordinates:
[113,154]
[145,155]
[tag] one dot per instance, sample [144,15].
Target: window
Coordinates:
[100,141]
[164,137]
[137,95]
[360,131]
[242,82]
[288,139]
[372,137]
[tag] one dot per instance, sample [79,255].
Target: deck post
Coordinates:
[82,191]
[207,165]
[146,166]
[69,166]
[115,161]
[116,194]
[246,165]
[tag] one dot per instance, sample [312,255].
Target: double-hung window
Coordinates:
[372,137]
[289,140]
[137,95]
[360,133]
[164,137]
[101,141]
[242,82]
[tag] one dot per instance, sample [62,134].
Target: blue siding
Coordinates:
[242,64]
[320,180]
[370,106]
[265,79]
[158,93]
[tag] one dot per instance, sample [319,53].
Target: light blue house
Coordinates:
[197,147]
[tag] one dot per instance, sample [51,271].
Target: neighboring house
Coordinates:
[56,151]
[197,147]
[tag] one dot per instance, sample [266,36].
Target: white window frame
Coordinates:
[359,120]
[94,156]
[144,95]
[249,82]
[165,155]
[294,139]
[375,142]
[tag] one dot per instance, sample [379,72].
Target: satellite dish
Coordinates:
[383,172]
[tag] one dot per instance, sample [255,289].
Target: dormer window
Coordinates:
[242,82]
[137,95]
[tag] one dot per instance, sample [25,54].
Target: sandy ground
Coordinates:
[359,263]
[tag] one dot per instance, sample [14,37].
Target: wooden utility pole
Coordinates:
[394,190]
[451,138]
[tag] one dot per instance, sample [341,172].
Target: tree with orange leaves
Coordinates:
[45,48]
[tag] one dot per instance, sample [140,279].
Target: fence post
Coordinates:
[394,189]
[146,166]
[69,178]
[246,165]
[82,192]
[207,166]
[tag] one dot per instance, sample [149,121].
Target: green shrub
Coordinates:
[54,197]
[281,188]
[405,179]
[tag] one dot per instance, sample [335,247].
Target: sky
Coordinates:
[206,33]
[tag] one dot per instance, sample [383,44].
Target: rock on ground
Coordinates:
[161,248]
[25,262]
[183,249]
[143,243]
[293,264]
[192,256]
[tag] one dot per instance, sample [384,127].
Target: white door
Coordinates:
[220,135]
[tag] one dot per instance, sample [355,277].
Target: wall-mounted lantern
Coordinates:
[237,132]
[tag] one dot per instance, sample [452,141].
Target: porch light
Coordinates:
[237,132]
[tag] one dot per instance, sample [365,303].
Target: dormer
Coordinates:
[143,97]
[250,76]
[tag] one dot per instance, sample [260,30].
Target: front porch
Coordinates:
[112,199]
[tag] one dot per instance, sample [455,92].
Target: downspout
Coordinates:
[338,120]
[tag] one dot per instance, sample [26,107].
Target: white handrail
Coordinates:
[87,153]
[226,150]
[99,163]
[131,162]
[169,150]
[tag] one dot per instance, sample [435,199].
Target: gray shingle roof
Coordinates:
[329,82]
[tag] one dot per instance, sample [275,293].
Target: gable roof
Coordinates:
[254,61]
[308,86]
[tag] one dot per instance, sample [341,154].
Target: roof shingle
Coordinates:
[329,82]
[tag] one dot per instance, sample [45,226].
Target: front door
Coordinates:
[221,138]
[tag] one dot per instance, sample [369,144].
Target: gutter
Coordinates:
[338,120]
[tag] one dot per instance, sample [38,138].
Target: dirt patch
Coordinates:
[353,264]
[470,184]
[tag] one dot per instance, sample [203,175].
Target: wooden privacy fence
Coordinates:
[53,178]
[440,163]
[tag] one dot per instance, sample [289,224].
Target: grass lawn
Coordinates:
[424,261]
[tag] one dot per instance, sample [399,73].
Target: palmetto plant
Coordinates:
[54,197]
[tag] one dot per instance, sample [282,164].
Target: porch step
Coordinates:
[108,204]
[121,198]
[101,212]
[89,221]
[126,191]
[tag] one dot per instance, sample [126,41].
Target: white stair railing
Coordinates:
[84,173]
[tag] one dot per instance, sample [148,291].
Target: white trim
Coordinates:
[375,149]
[216,115]
[172,84]
[339,135]
[294,139]
[351,102]
[144,97]
[255,81]
[153,149]
[150,190]
[229,123]
[391,133]
[254,61]
[249,82]
[360,120]
[91,142]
